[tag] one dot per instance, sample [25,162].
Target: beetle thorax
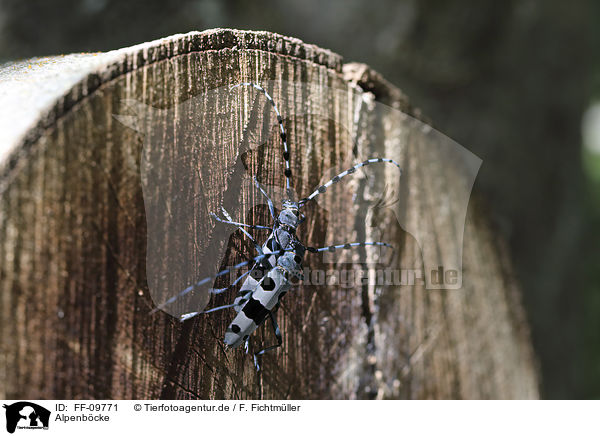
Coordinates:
[290,215]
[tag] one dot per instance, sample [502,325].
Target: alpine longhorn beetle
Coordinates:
[279,258]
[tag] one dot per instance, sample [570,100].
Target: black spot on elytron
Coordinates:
[352,170]
[268,284]
[346,246]
[297,259]
[286,155]
[258,272]
[331,248]
[273,245]
[255,311]
[322,189]
[335,179]
[235,328]
[288,172]
[245,338]
[283,137]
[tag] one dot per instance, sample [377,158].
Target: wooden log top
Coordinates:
[36,92]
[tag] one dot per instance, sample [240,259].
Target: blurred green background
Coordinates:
[516,82]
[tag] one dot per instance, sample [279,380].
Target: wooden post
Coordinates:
[78,243]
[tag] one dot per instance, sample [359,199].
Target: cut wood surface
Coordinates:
[90,153]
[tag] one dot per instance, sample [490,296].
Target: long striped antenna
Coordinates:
[282,134]
[211,279]
[321,189]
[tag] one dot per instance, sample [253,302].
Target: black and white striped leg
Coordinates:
[282,134]
[187,316]
[269,201]
[272,347]
[248,235]
[211,279]
[235,223]
[217,291]
[332,248]
[321,189]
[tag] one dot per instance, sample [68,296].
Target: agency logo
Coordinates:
[24,415]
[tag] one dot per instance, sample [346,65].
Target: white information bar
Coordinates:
[365,418]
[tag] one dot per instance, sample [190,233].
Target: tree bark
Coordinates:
[90,183]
